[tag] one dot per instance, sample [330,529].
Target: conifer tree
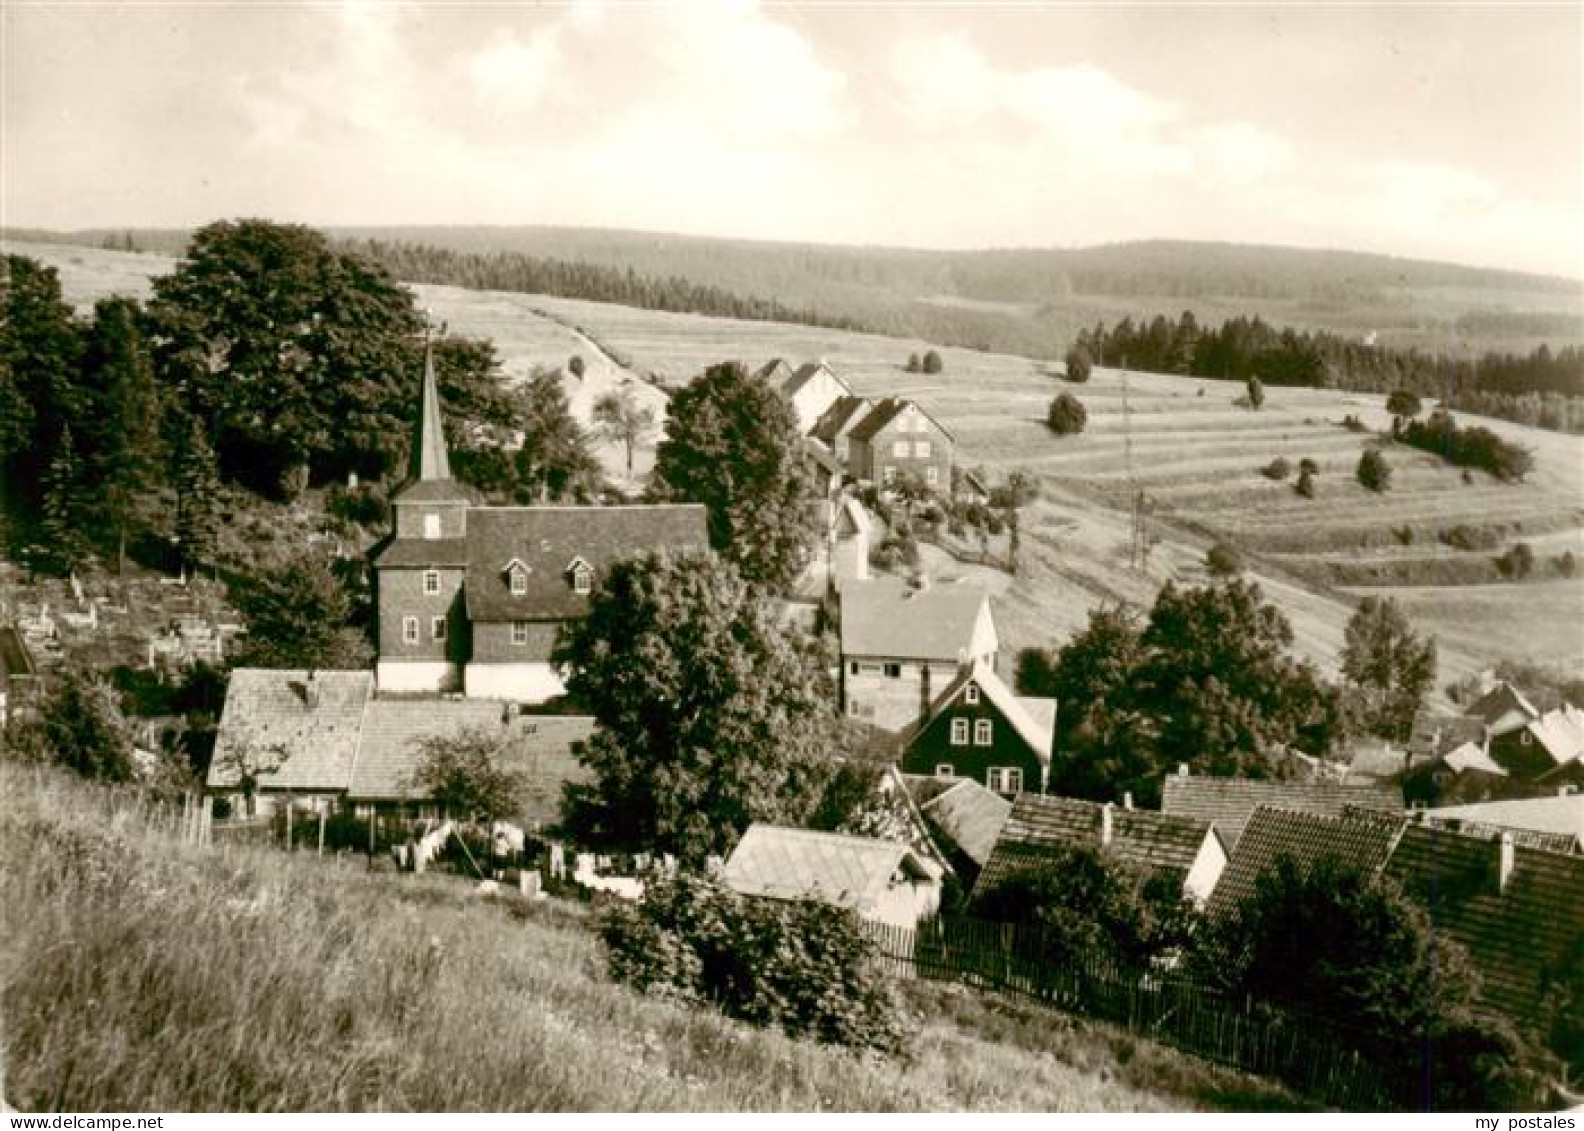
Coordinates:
[67,507]
[197,488]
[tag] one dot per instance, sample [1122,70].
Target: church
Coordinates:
[471,597]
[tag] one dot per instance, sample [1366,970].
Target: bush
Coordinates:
[575,367]
[1256,392]
[932,362]
[1079,365]
[1277,469]
[1353,424]
[805,967]
[1308,465]
[1471,538]
[1224,560]
[1066,416]
[1565,564]
[1517,563]
[363,505]
[1305,485]
[1373,471]
[1404,534]
[913,363]
[1404,403]
[1469,447]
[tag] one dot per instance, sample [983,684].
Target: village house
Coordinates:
[881,881]
[325,741]
[977,728]
[810,390]
[471,598]
[1228,803]
[898,438]
[900,644]
[1503,746]
[1518,911]
[1186,852]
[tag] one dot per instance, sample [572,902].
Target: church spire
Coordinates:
[429,460]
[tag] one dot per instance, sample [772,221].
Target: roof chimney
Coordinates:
[1105,825]
[1127,800]
[1182,769]
[1507,860]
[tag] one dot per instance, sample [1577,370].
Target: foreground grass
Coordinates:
[138,975]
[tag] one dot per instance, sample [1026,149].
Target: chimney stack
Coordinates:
[1182,769]
[1106,820]
[1507,861]
[1127,800]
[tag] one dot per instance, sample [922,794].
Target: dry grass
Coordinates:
[143,976]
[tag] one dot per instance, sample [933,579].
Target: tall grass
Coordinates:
[139,974]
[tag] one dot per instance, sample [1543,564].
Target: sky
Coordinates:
[1452,132]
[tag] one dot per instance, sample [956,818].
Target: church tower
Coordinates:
[423,630]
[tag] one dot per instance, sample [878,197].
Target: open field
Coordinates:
[140,975]
[1195,453]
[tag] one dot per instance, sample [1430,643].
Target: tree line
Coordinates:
[1543,389]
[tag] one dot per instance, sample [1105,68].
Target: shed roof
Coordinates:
[1357,837]
[847,871]
[1145,839]
[1561,733]
[970,815]
[1229,802]
[1561,817]
[417,553]
[305,723]
[548,539]
[880,617]
[1472,756]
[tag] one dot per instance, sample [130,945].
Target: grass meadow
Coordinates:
[1184,442]
[139,974]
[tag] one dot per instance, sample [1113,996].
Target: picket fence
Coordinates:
[1313,1059]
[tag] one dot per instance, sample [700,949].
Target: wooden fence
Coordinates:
[1314,1059]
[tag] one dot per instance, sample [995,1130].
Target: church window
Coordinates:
[983,729]
[431,582]
[409,630]
[519,631]
[437,628]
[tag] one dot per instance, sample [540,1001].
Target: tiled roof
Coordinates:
[1355,837]
[1519,936]
[549,539]
[418,552]
[1559,817]
[538,747]
[806,373]
[970,815]
[1500,700]
[1145,839]
[434,491]
[847,871]
[1228,802]
[880,617]
[883,413]
[309,722]
[844,413]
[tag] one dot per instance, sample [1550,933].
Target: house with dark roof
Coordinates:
[977,728]
[898,438]
[900,644]
[1147,842]
[1228,803]
[881,881]
[1518,911]
[471,598]
[810,390]
[1502,747]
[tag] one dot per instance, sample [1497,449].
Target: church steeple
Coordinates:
[429,460]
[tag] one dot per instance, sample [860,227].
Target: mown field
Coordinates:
[140,975]
[1194,452]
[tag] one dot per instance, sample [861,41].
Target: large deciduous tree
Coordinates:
[732,443]
[553,463]
[1389,664]
[710,715]
[465,774]
[620,419]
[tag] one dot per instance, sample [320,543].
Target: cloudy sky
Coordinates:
[1445,131]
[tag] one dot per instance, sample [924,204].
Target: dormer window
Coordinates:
[582,575]
[517,577]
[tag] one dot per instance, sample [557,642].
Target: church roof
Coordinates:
[429,467]
[549,539]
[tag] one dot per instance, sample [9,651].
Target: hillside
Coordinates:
[140,975]
[1196,454]
[1034,300]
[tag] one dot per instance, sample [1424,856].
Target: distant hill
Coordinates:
[1034,300]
